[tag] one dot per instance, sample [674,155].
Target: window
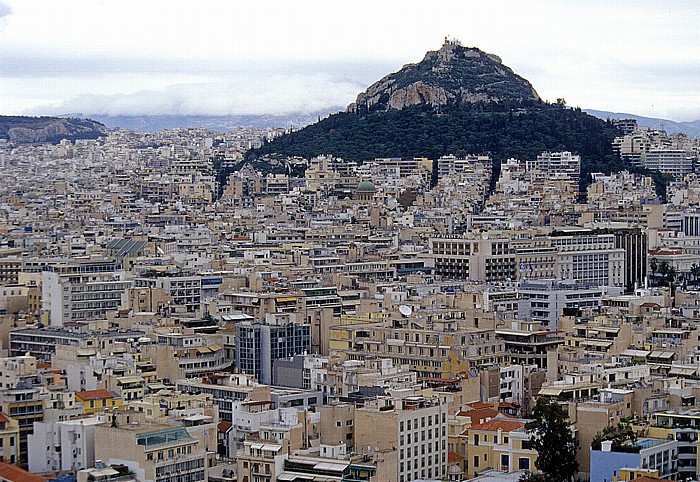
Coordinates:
[505,461]
[476,461]
[523,463]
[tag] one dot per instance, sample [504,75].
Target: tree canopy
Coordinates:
[554,442]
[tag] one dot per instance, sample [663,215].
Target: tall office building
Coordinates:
[259,343]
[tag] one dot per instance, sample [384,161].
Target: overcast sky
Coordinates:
[278,57]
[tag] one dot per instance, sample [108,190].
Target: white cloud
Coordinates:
[566,49]
[274,95]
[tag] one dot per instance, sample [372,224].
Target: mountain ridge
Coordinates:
[30,130]
[690,128]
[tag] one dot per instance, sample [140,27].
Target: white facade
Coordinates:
[82,291]
[66,445]
[590,259]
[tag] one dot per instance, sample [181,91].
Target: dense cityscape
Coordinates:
[286,328]
[228,253]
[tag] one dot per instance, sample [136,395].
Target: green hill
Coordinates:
[458,99]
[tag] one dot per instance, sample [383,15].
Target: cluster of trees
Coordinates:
[622,437]
[488,128]
[663,273]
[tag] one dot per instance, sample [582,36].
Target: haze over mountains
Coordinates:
[451,78]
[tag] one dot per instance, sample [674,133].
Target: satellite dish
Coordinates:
[405,310]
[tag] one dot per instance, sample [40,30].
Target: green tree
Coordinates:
[554,442]
[653,269]
[695,272]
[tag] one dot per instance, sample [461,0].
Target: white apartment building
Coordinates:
[556,165]
[677,162]
[64,445]
[589,258]
[410,427]
[82,291]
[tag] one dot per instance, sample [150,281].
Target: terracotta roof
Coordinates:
[483,414]
[453,457]
[15,474]
[495,425]
[94,394]
[224,426]
[480,405]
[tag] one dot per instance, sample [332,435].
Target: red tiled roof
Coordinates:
[94,394]
[480,405]
[224,426]
[495,425]
[483,414]
[15,474]
[453,457]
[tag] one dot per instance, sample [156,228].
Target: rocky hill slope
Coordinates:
[453,75]
[38,130]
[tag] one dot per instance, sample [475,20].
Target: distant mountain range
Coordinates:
[214,123]
[672,127]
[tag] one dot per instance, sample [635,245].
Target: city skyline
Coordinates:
[208,58]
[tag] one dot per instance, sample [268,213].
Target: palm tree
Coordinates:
[653,267]
[695,272]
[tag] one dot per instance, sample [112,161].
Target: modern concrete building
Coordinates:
[83,290]
[260,343]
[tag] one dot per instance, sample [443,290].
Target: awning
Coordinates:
[550,392]
[662,354]
[635,353]
[124,380]
[286,299]
[600,343]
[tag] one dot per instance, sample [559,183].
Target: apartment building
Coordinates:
[499,444]
[153,452]
[484,259]
[432,350]
[82,291]
[589,258]
[411,432]
[226,388]
[63,445]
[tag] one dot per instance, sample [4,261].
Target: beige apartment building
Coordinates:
[410,431]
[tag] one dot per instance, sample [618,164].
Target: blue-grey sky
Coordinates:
[125,57]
